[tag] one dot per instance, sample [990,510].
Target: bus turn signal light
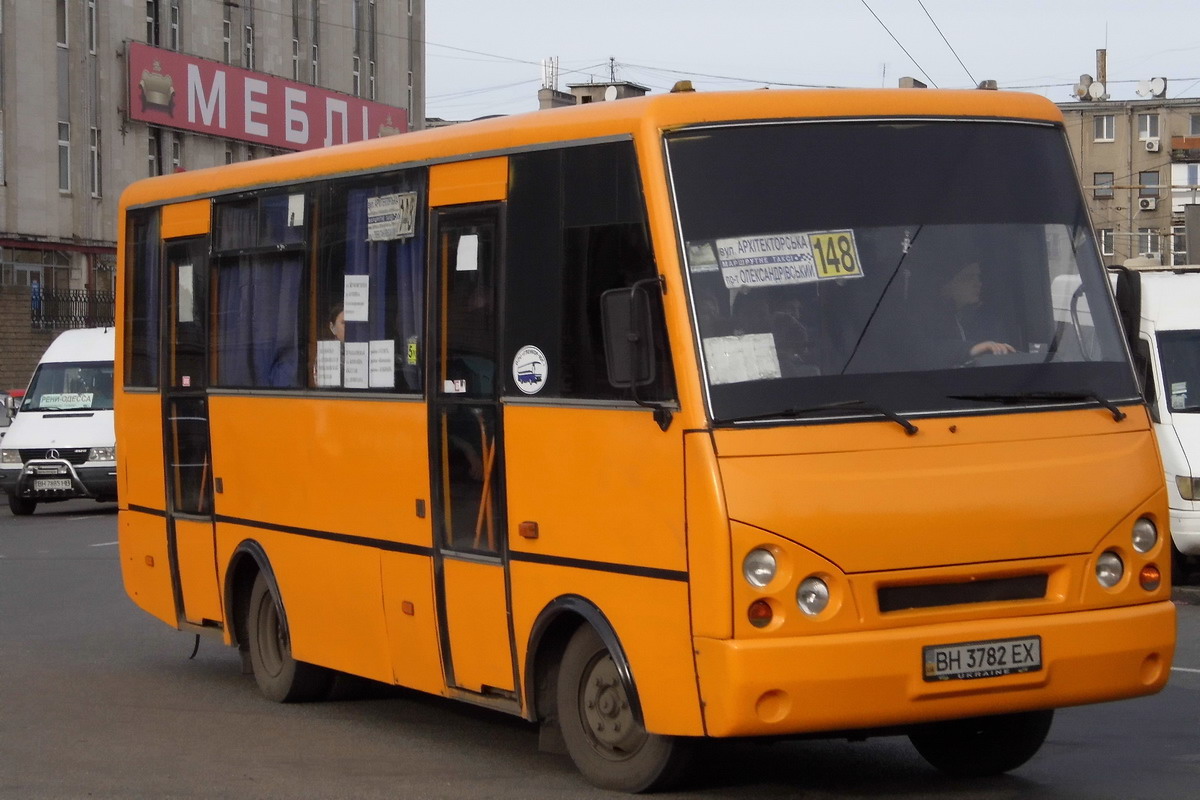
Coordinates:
[1150,577]
[760,613]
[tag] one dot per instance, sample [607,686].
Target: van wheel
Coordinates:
[279,676]
[21,506]
[604,738]
[982,746]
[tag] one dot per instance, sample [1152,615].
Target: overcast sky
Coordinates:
[484,56]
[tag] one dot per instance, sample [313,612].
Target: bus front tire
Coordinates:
[21,506]
[983,746]
[604,738]
[279,676]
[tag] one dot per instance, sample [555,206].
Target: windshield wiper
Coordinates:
[865,405]
[1053,397]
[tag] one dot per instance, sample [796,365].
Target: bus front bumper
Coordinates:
[875,679]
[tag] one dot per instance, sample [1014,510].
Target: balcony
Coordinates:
[1185,149]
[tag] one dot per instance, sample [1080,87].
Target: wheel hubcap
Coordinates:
[607,716]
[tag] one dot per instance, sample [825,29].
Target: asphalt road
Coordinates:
[99,700]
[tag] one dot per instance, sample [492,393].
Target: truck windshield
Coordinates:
[1179,352]
[70,387]
[908,265]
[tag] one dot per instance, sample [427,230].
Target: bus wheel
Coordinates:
[21,506]
[982,746]
[605,739]
[279,676]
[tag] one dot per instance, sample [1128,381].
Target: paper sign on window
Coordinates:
[382,364]
[329,363]
[391,216]
[357,365]
[355,297]
[187,305]
[468,253]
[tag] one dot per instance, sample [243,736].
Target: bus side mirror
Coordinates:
[1128,294]
[628,337]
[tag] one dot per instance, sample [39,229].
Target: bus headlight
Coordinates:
[10,456]
[102,454]
[1145,535]
[1189,487]
[758,568]
[812,596]
[1109,569]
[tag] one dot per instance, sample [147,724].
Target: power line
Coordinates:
[897,41]
[947,41]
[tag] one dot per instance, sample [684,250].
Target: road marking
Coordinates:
[103,544]
[1185,669]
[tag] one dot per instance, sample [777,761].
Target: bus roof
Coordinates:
[622,117]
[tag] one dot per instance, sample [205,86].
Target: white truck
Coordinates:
[1167,355]
[61,444]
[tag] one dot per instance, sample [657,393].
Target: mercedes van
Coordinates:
[61,444]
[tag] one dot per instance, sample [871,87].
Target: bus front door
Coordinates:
[467,456]
[190,531]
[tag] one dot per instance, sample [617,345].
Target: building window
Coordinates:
[409,103]
[356,77]
[1105,127]
[1106,242]
[64,156]
[1147,126]
[1102,185]
[1148,244]
[228,154]
[94,157]
[1148,184]
[1179,245]
[315,65]
[248,51]
[91,26]
[152,145]
[227,36]
[174,43]
[295,59]
[371,79]
[152,22]
[1195,127]
[60,20]
[315,61]
[177,153]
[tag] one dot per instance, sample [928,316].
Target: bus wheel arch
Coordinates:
[580,687]
[255,610]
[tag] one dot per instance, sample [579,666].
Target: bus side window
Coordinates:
[576,228]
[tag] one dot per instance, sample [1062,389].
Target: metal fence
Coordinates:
[60,309]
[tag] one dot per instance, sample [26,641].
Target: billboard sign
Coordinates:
[175,90]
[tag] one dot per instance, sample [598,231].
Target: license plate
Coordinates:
[49,484]
[987,659]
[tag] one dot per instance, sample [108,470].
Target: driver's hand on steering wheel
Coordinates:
[992,348]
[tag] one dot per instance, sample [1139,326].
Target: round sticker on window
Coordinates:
[529,369]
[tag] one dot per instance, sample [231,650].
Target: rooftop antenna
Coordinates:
[550,73]
[612,69]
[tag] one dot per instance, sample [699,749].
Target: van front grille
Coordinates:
[75,455]
[992,590]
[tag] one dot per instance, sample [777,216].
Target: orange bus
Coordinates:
[694,415]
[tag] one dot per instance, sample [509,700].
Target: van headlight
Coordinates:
[1189,487]
[102,454]
[10,456]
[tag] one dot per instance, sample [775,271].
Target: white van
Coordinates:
[1168,357]
[61,444]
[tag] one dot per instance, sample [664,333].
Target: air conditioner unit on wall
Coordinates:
[1153,145]
[1147,203]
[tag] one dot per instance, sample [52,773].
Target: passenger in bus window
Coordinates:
[337,322]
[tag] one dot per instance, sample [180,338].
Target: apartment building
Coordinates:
[95,94]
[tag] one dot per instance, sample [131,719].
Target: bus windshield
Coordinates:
[902,265]
[66,387]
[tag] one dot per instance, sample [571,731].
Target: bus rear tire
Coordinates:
[21,506]
[983,746]
[604,738]
[279,676]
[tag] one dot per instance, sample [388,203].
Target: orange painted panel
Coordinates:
[194,545]
[603,485]
[415,650]
[650,618]
[331,595]
[478,181]
[145,567]
[345,466]
[477,623]
[138,422]
[709,560]
[186,219]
